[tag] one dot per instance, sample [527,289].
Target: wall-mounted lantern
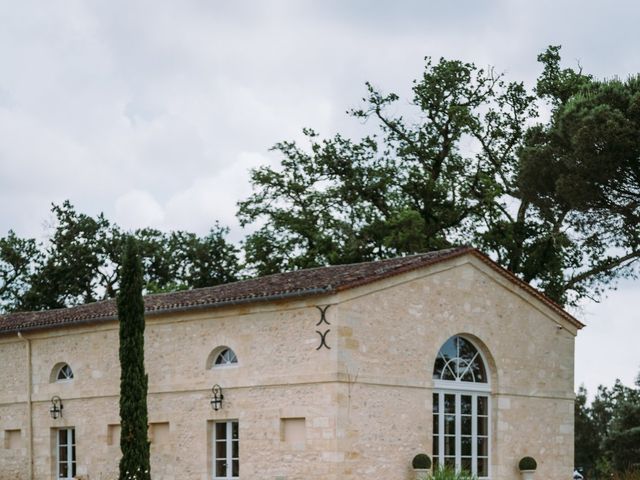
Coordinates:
[56,407]
[216,397]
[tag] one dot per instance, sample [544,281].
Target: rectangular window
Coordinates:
[461,432]
[226,450]
[66,453]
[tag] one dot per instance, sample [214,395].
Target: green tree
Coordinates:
[587,437]
[455,166]
[607,433]
[623,441]
[585,164]
[407,187]
[134,443]
[77,260]
[81,260]
[204,261]
[18,259]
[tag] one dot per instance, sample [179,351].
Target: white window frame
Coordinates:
[70,461]
[473,389]
[219,353]
[228,449]
[66,378]
[458,425]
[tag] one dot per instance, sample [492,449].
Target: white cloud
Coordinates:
[607,348]
[197,207]
[138,209]
[214,198]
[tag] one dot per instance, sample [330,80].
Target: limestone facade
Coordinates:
[358,408]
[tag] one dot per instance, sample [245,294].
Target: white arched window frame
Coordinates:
[62,372]
[222,357]
[462,409]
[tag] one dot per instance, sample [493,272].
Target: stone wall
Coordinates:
[388,341]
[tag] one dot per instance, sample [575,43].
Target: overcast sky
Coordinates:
[153,111]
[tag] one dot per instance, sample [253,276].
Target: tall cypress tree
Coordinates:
[134,442]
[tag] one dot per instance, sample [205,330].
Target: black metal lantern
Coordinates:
[56,407]
[216,397]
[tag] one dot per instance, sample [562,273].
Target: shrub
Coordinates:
[628,475]
[527,463]
[450,474]
[422,461]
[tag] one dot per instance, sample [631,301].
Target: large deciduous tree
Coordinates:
[134,443]
[18,258]
[80,261]
[458,165]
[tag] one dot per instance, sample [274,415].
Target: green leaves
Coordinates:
[80,262]
[445,473]
[558,85]
[134,443]
[583,168]
[405,189]
[464,162]
[608,432]
[18,258]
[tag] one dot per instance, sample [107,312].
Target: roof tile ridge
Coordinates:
[53,311]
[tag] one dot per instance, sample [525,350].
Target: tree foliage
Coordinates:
[81,261]
[134,443]
[585,165]
[607,432]
[18,258]
[467,162]
[471,158]
[587,434]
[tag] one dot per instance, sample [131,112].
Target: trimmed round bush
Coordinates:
[422,461]
[527,463]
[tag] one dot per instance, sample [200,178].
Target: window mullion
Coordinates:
[229,443]
[474,434]
[216,459]
[70,436]
[458,429]
[489,436]
[69,452]
[441,427]
[58,453]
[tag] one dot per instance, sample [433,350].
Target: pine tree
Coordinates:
[134,443]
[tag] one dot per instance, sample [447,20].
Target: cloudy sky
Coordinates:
[153,111]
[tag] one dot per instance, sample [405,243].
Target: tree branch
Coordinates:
[603,267]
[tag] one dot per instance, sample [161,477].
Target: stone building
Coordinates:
[342,372]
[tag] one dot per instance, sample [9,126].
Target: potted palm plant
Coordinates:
[527,467]
[421,466]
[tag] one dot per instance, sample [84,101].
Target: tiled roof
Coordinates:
[300,283]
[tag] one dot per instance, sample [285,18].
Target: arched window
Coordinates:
[226,357]
[62,372]
[222,357]
[461,408]
[459,361]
